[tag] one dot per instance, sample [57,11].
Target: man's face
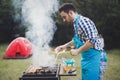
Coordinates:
[66,17]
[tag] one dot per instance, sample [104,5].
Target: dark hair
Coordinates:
[66,7]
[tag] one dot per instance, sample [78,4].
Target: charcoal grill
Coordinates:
[41,73]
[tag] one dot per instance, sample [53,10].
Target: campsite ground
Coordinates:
[11,69]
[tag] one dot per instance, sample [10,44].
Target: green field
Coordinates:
[11,69]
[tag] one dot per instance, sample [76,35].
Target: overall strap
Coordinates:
[77,41]
[76,25]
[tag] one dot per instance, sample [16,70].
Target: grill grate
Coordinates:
[41,73]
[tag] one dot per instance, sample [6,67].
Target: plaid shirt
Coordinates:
[87,31]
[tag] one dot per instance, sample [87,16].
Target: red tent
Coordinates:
[19,48]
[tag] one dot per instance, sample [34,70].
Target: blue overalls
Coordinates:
[90,61]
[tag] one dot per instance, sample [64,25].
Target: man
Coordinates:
[86,41]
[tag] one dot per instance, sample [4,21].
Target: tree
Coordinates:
[9,27]
[5,20]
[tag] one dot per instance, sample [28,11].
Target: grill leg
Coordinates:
[59,77]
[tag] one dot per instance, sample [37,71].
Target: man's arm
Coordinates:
[64,47]
[69,44]
[83,48]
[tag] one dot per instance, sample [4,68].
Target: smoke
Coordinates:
[36,14]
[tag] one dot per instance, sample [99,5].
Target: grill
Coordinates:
[41,73]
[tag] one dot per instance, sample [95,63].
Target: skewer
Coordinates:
[58,53]
[57,57]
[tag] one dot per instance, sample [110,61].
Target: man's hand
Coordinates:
[74,52]
[60,48]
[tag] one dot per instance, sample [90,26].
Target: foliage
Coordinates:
[9,27]
[5,19]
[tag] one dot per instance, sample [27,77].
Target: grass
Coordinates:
[11,69]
